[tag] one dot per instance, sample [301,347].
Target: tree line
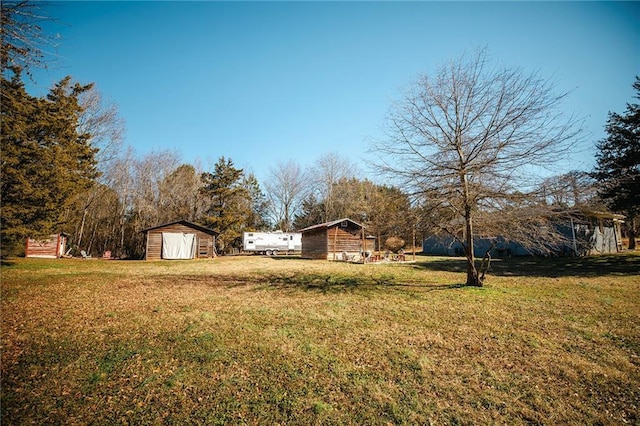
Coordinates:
[462,154]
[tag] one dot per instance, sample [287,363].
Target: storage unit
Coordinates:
[180,240]
[335,240]
[51,248]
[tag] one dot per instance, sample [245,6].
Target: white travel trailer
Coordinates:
[272,243]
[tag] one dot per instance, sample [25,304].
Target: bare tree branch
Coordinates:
[467,140]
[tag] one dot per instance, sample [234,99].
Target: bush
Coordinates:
[394,244]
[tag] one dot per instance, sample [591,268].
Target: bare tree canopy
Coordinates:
[468,139]
[327,171]
[286,187]
[101,120]
[24,43]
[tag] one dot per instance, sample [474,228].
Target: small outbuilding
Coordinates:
[586,233]
[334,240]
[180,240]
[51,248]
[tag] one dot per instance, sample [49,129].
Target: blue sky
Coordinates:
[263,82]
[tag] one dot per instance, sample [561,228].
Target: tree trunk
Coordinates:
[81,232]
[472,273]
[632,234]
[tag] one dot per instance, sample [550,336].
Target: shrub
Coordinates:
[394,244]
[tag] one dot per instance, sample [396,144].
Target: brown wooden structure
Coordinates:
[205,239]
[335,240]
[52,248]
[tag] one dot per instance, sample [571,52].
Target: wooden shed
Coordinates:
[180,240]
[334,240]
[52,248]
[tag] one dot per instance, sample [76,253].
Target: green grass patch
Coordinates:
[255,340]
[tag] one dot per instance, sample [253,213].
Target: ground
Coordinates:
[257,340]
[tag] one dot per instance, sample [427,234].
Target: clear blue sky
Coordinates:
[262,82]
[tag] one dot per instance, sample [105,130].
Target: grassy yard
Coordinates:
[254,340]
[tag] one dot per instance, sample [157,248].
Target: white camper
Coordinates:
[272,243]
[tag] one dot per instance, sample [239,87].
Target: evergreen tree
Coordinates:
[45,161]
[618,164]
[228,210]
[312,213]
[258,205]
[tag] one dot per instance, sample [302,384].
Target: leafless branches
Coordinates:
[470,141]
[24,44]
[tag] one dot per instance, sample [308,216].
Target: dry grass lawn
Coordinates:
[255,340]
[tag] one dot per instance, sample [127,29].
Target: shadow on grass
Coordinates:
[327,283]
[591,266]
[335,283]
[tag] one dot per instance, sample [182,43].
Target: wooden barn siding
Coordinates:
[314,244]
[320,244]
[204,243]
[49,248]
[347,240]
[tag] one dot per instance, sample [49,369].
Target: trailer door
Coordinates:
[250,242]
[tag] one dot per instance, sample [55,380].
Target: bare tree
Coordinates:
[150,172]
[570,190]
[470,139]
[24,45]
[136,184]
[100,119]
[105,128]
[179,195]
[326,173]
[285,188]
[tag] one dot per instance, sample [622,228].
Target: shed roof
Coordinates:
[185,223]
[331,224]
[603,215]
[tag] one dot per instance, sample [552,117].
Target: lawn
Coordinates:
[256,340]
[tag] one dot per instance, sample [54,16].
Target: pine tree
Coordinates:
[618,164]
[227,211]
[257,205]
[45,161]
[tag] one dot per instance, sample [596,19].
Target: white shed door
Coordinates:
[178,245]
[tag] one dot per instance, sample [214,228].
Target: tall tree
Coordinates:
[470,137]
[93,222]
[227,212]
[149,173]
[179,195]
[618,164]
[286,187]
[327,171]
[101,121]
[311,213]
[258,205]
[119,178]
[46,162]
